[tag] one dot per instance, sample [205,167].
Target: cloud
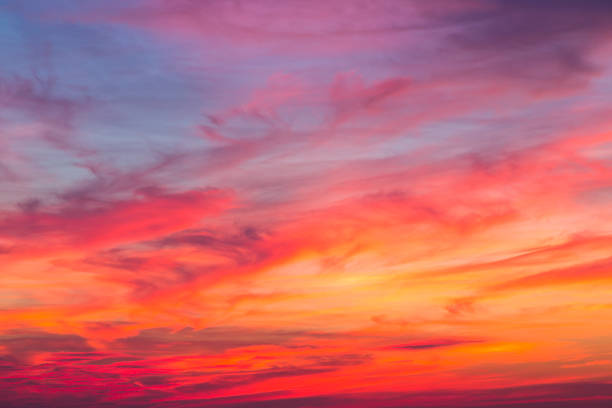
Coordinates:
[241,246]
[539,47]
[537,257]
[430,344]
[595,271]
[24,343]
[39,101]
[543,47]
[163,341]
[398,159]
[149,214]
[36,113]
[566,395]
[235,380]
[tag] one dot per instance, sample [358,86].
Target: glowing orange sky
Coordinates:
[351,203]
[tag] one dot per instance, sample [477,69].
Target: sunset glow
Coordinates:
[306,203]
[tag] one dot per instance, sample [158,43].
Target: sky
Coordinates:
[305,203]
